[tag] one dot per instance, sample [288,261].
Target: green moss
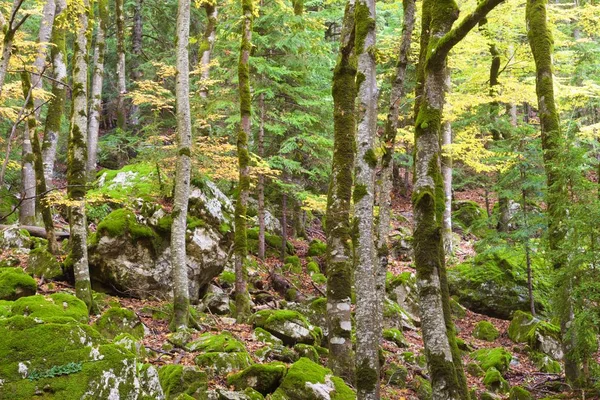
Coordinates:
[316,248]
[366,377]
[497,358]
[14,283]
[294,260]
[118,320]
[545,363]
[319,278]
[264,378]
[131,344]
[176,380]
[121,222]
[359,192]
[395,336]
[371,158]
[396,375]
[277,352]
[313,268]
[220,364]
[519,393]
[140,181]
[265,337]
[484,330]
[423,388]
[227,277]
[296,384]
[223,342]
[494,381]
[56,305]
[308,351]
[475,370]
[42,263]
[290,326]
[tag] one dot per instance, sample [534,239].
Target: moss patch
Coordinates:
[56,305]
[316,248]
[177,380]
[484,330]
[222,343]
[497,358]
[264,378]
[43,264]
[14,283]
[118,320]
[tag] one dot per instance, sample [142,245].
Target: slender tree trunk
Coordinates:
[447,177]
[27,210]
[77,161]
[527,249]
[59,89]
[136,53]
[39,64]
[9,35]
[96,90]
[284,222]
[541,43]
[367,330]
[40,183]
[261,181]
[443,357]
[389,139]
[181,295]
[121,84]
[339,253]
[242,300]
[206,46]
[298,7]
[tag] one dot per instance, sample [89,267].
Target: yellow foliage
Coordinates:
[153,94]
[316,203]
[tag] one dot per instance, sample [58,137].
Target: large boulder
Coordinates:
[12,237]
[131,253]
[307,380]
[14,283]
[220,354]
[540,335]
[42,263]
[289,326]
[402,289]
[264,378]
[177,380]
[57,357]
[494,283]
[468,215]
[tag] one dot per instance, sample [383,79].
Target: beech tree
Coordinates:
[182,178]
[437,39]
[121,74]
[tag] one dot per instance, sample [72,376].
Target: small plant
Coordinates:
[56,370]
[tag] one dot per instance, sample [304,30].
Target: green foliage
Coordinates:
[497,358]
[56,370]
[484,330]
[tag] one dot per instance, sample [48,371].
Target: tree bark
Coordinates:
[27,209]
[389,139]
[284,222]
[206,46]
[443,356]
[121,84]
[261,181]
[96,90]
[181,297]
[242,300]
[339,253]
[39,64]
[541,43]
[368,332]
[40,183]
[77,161]
[59,89]
[136,54]
[446,160]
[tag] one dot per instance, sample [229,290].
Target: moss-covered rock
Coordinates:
[319,278]
[458,311]
[276,352]
[308,351]
[485,330]
[307,380]
[263,336]
[313,268]
[221,343]
[519,393]
[475,370]
[497,358]
[289,326]
[494,381]
[395,336]
[132,344]
[540,335]
[53,359]
[12,237]
[494,283]
[545,363]
[227,278]
[247,394]
[178,379]
[264,378]
[56,305]
[117,320]
[468,214]
[14,283]
[42,263]
[316,248]
[423,388]
[402,289]
[396,317]
[221,363]
[5,307]
[396,374]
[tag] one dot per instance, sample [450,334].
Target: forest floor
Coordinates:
[522,371]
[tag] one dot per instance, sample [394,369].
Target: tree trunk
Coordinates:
[136,53]
[7,42]
[284,223]
[368,332]
[27,209]
[96,90]
[541,43]
[121,84]
[57,103]
[389,139]
[40,183]
[206,46]
[447,177]
[39,64]
[261,181]
[443,356]
[77,161]
[181,297]
[242,299]
[339,255]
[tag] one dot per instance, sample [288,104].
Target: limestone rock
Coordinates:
[289,326]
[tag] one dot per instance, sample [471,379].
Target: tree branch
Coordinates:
[458,33]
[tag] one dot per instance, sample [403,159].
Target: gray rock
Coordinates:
[14,238]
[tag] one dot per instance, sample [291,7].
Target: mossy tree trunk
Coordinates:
[121,83]
[181,297]
[260,187]
[56,106]
[77,161]
[136,55]
[39,64]
[541,43]
[40,181]
[207,43]
[384,184]
[339,254]
[368,331]
[242,299]
[96,89]
[443,357]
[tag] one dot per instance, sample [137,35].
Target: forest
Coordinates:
[300,199]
